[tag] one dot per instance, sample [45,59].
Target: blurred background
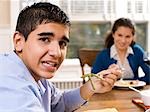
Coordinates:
[91,20]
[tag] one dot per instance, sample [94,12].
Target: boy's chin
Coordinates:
[50,75]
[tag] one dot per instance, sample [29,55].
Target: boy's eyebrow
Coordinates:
[46,34]
[52,34]
[66,39]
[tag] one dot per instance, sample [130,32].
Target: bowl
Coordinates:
[145,96]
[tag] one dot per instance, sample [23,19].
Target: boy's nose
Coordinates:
[54,49]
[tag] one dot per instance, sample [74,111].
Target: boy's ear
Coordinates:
[19,41]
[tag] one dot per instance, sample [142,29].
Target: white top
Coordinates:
[128,73]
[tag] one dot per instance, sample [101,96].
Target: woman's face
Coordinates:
[123,37]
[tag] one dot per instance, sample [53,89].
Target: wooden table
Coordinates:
[120,99]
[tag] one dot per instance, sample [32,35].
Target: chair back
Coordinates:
[87,56]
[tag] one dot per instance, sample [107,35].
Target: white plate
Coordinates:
[127,83]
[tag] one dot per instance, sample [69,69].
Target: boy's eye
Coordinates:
[63,44]
[44,39]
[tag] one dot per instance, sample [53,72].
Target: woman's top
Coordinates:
[135,60]
[127,71]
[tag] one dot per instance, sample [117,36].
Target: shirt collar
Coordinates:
[113,51]
[16,58]
[42,87]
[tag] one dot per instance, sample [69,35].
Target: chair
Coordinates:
[87,56]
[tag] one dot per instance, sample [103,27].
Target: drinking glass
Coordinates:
[146,57]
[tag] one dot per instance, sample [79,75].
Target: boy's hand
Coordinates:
[101,85]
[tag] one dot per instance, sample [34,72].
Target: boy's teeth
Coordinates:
[52,64]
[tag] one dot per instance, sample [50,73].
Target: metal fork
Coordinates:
[123,73]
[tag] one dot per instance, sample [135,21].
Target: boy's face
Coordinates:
[44,50]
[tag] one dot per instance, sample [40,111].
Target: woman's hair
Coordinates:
[118,23]
[39,13]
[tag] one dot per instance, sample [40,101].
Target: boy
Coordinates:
[40,43]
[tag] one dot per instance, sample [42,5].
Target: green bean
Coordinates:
[89,78]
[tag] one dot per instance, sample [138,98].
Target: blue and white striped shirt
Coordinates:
[19,92]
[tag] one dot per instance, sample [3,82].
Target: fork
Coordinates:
[122,75]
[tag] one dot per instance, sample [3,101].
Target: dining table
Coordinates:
[119,98]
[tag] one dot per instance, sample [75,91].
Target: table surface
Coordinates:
[121,99]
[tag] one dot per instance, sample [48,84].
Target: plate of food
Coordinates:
[127,83]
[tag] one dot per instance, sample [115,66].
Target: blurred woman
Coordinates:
[122,50]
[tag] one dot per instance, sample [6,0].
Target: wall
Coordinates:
[5,32]
[70,70]
[5,40]
[5,13]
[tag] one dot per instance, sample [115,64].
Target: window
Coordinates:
[92,35]
[141,34]
[86,34]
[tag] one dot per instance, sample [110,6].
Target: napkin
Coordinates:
[140,103]
[103,110]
